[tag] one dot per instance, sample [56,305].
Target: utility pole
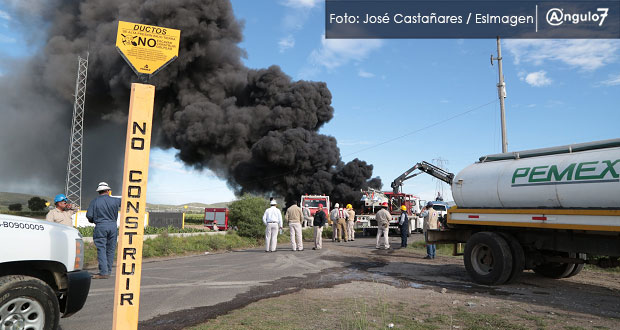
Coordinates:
[501,92]
[73,186]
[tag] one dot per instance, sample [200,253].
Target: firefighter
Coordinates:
[383,225]
[350,222]
[272,220]
[403,223]
[293,216]
[333,220]
[307,217]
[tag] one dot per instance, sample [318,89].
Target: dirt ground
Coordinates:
[399,289]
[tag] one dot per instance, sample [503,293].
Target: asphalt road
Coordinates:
[181,292]
[203,280]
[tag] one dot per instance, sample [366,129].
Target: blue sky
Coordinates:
[398,102]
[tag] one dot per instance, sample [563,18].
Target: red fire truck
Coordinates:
[216,216]
[312,202]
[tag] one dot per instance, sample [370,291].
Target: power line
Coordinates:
[420,129]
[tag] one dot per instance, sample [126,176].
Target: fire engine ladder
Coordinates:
[424,167]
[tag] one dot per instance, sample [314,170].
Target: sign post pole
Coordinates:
[147,49]
[133,207]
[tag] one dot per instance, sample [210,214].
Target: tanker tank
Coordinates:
[582,175]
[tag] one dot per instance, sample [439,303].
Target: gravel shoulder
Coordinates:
[376,288]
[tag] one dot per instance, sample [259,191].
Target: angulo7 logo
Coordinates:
[557,16]
[584,172]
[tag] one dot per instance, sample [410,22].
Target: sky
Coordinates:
[402,101]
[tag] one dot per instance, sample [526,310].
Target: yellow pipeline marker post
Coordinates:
[147,49]
[133,207]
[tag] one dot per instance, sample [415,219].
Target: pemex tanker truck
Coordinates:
[550,210]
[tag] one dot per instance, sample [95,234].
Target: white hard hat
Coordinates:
[273,202]
[103,186]
[336,205]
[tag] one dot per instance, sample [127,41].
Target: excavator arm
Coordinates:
[424,167]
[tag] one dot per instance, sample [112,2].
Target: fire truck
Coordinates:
[372,204]
[313,201]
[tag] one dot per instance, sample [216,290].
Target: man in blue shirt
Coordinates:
[103,212]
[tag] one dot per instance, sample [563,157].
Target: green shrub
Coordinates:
[36,204]
[15,207]
[247,214]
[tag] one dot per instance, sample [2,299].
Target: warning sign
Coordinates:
[147,48]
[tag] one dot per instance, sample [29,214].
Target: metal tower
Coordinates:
[73,187]
[439,185]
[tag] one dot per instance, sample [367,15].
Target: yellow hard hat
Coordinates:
[404,208]
[349,206]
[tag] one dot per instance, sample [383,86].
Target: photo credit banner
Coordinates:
[352,19]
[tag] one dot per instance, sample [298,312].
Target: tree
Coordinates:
[247,214]
[15,207]
[36,204]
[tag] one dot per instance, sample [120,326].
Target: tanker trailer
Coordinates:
[544,209]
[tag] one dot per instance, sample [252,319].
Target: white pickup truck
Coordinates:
[41,274]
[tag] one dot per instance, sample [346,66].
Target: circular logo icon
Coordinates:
[554,16]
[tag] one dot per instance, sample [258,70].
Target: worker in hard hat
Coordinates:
[272,218]
[103,212]
[383,218]
[403,224]
[62,212]
[430,222]
[319,221]
[307,217]
[350,223]
[342,225]
[333,220]
[293,217]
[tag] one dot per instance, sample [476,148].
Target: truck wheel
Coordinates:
[27,303]
[518,257]
[488,259]
[556,270]
[578,267]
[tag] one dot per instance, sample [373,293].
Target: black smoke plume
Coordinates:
[258,129]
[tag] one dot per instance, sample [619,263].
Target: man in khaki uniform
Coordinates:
[430,222]
[294,216]
[342,224]
[350,222]
[383,218]
[62,213]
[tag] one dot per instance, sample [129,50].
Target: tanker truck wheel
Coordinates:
[578,267]
[518,257]
[488,258]
[555,269]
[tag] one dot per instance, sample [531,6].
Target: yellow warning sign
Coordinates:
[147,48]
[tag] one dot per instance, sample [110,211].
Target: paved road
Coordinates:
[190,290]
[203,280]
